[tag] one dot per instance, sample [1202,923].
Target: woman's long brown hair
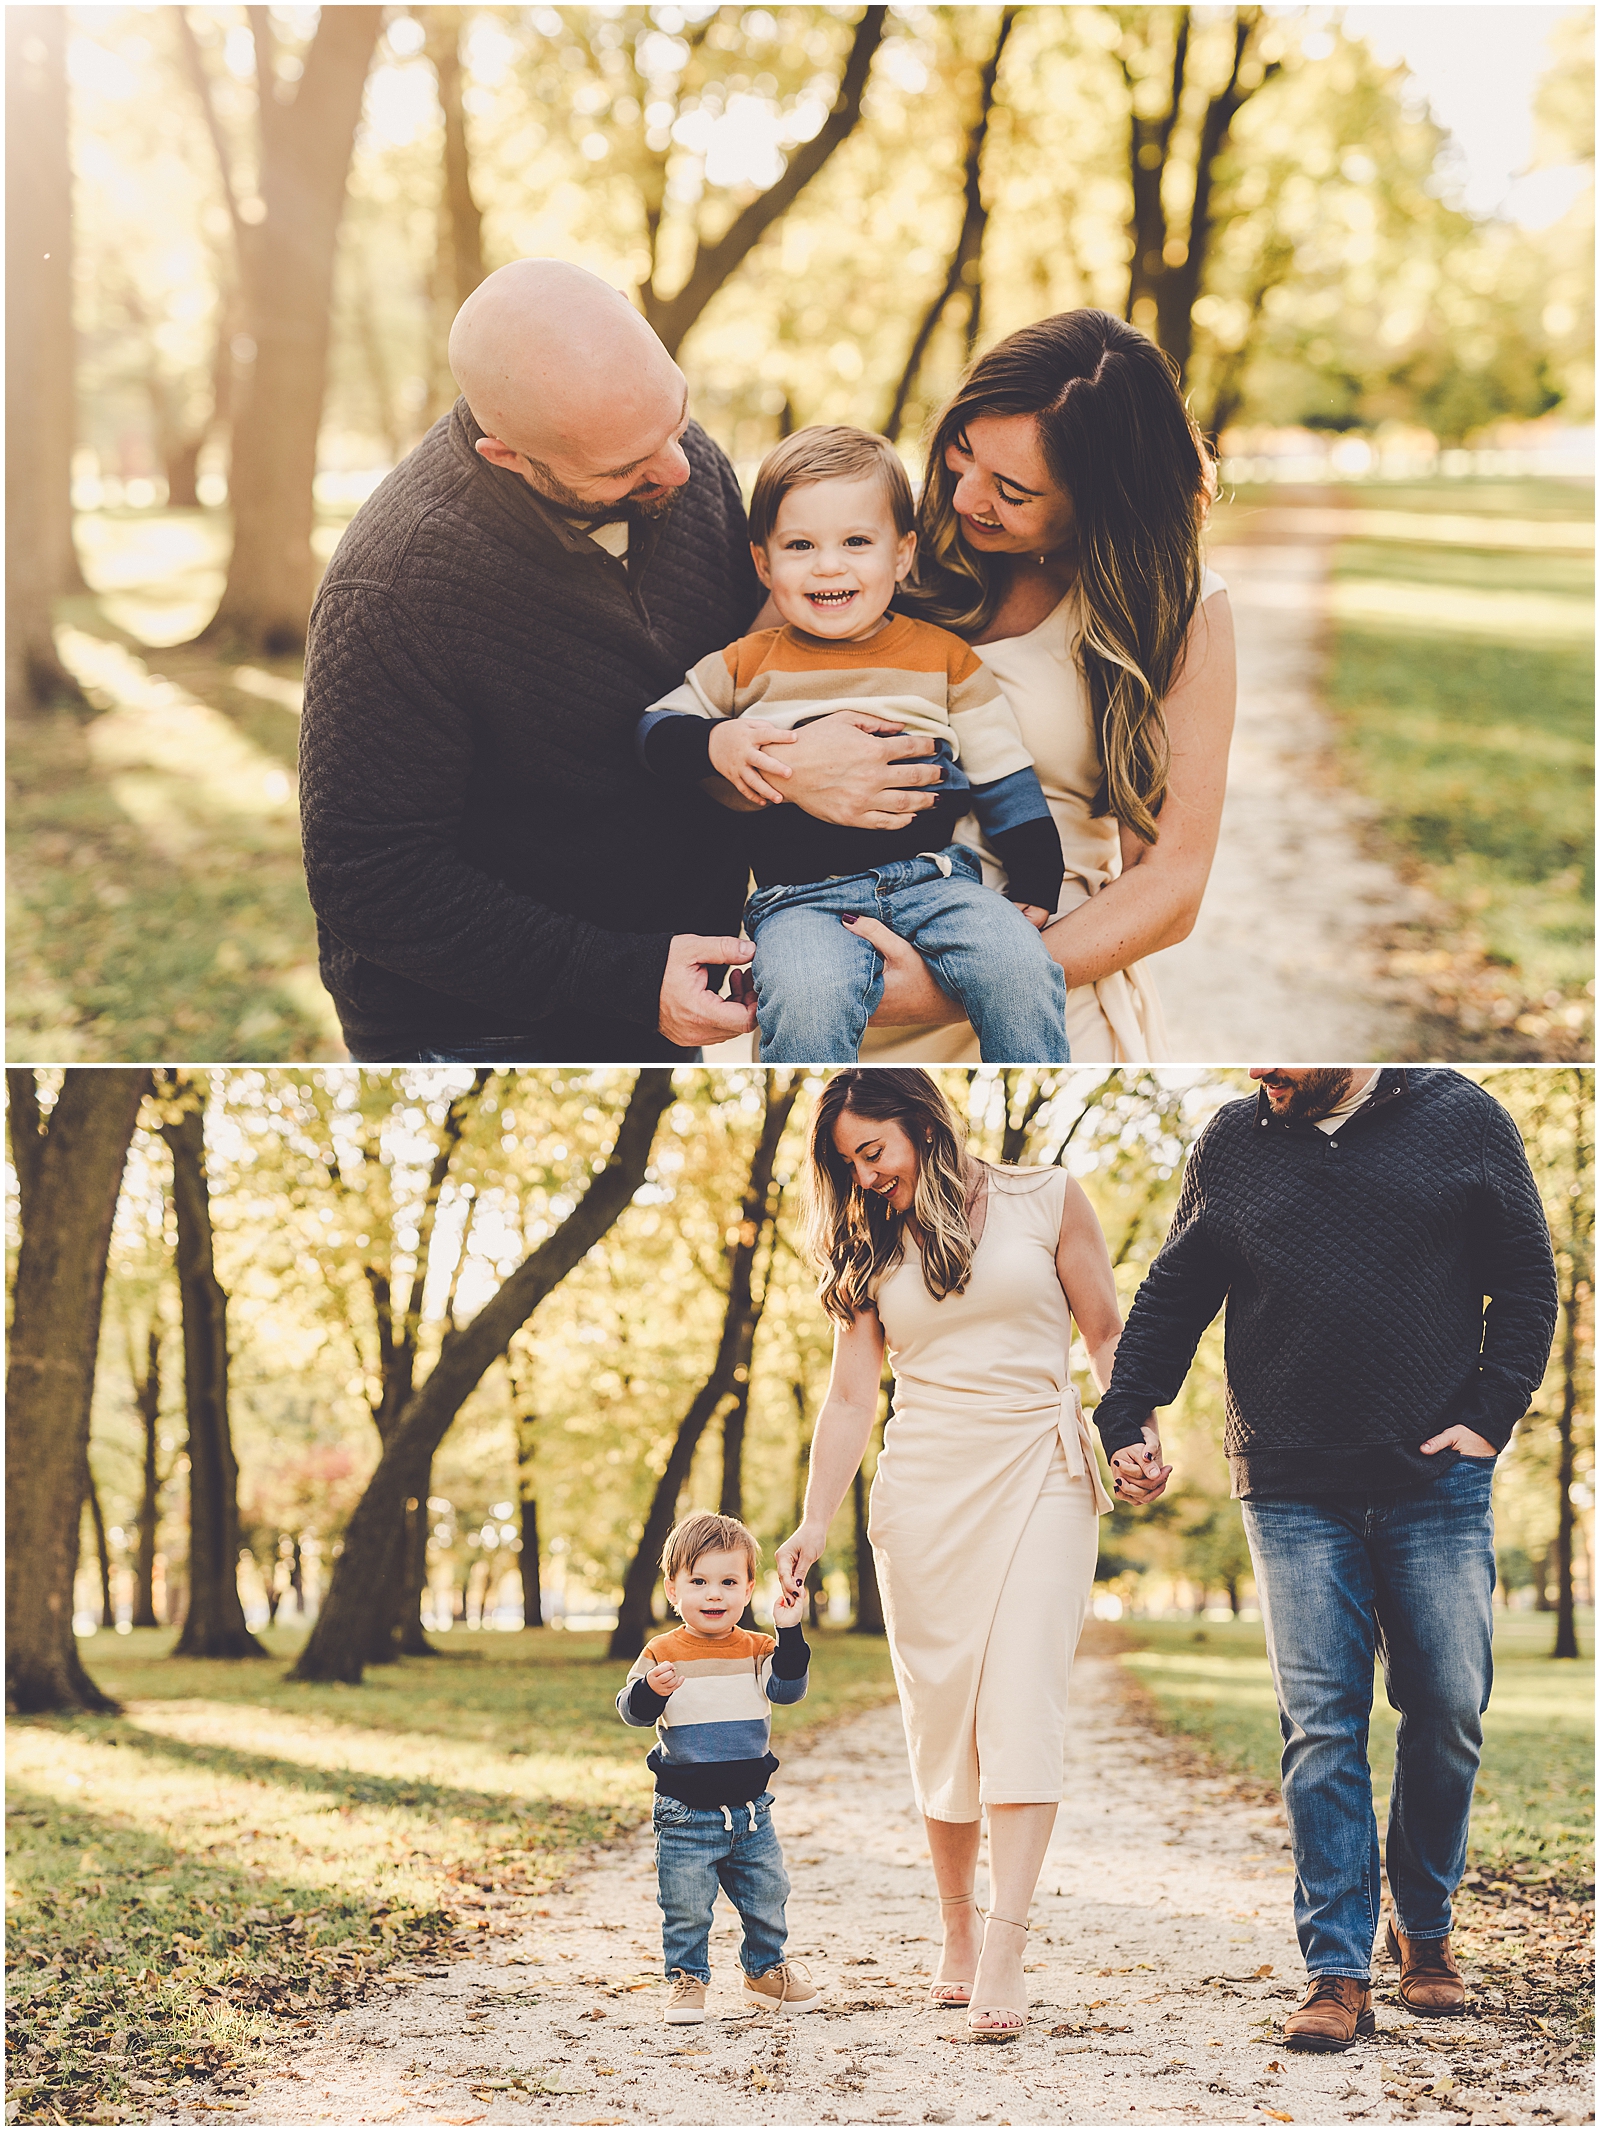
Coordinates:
[853,1236]
[1119,442]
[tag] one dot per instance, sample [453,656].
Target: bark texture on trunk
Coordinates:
[345,1626]
[147,1398]
[286,261]
[213,1624]
[68,1176]
[728,1376]
[714,263]
[40,357]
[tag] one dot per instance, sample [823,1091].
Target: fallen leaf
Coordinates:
[1265,1969]
[476,2119]
[1275,2066]
[1443,2086]
[1279,2116]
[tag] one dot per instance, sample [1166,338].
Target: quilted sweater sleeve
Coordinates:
[1519,1278]
[386,756]
[1185,1287]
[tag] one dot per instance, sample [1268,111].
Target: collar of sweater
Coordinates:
[1391,1086]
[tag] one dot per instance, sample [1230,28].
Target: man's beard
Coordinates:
[1322,1090]
[583,510]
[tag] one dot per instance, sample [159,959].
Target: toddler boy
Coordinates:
[706,1688]
[832,532]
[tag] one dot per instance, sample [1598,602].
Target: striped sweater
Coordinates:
[912,675]
[713,1732]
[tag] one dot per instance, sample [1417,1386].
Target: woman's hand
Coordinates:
[911,998]
[737,752]
[787,1612]
[850,767]
[1137,1472]
[793,1562]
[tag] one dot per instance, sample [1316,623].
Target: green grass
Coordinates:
[157,904]
[235,1849]
[1534,1805]
[1462,680]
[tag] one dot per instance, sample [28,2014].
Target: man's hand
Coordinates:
[911,998]
[849,767]
[1462,1439]
[665,1679]
[691,1013]
[1137,1472]
[736,747]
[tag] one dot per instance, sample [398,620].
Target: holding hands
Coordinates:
[1138,1474]
[787,1612]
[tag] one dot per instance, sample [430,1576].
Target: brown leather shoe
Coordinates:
[1431,1982]
[1337,2012]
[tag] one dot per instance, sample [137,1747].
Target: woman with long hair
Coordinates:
[1059,533]
[986,1496]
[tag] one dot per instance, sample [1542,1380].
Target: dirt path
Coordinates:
[1162,1954]
[1281,959]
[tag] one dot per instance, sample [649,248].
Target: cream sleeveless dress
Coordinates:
[984,1508]
[1117,1020]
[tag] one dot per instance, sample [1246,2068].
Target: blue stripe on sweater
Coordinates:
[1010,800]
[743,1739]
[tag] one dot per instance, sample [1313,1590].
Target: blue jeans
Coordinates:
[702,1847]
[1410,1579]
[817,983]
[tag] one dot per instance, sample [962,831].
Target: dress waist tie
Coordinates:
[1072,1425]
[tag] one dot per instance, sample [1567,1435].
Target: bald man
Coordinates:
[495,877]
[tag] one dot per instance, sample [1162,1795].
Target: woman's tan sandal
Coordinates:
[998,2023]
[956,1993]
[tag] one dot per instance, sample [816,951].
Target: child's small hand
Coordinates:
[664,1680]
[737,753]
[787,1611]
[1036,917]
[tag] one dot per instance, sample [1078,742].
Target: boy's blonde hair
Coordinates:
[829,453]
[707,1533]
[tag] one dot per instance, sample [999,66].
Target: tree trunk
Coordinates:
[147,1397]
[739,1322]
[214,1625]
[714,264]
[1579,1281]
[40,357]
[965,275]
[458,241]
[528,1562]
[286,265]
[1165,271]
[68,1178]
[108,1615]
[408,1636]
[335,1649]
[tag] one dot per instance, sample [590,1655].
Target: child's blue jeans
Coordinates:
[702,1847]
[817,982]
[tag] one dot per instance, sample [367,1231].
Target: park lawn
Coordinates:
[157,904]
[1533,1813]
[1462,681]
[237,1850]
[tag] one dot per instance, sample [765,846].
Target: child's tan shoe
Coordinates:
[784,1989]
[686,2007]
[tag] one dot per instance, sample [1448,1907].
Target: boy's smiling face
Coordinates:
[712,1592]
[834,558]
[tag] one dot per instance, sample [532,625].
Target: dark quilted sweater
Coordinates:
[485,855]
[1354,1266]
